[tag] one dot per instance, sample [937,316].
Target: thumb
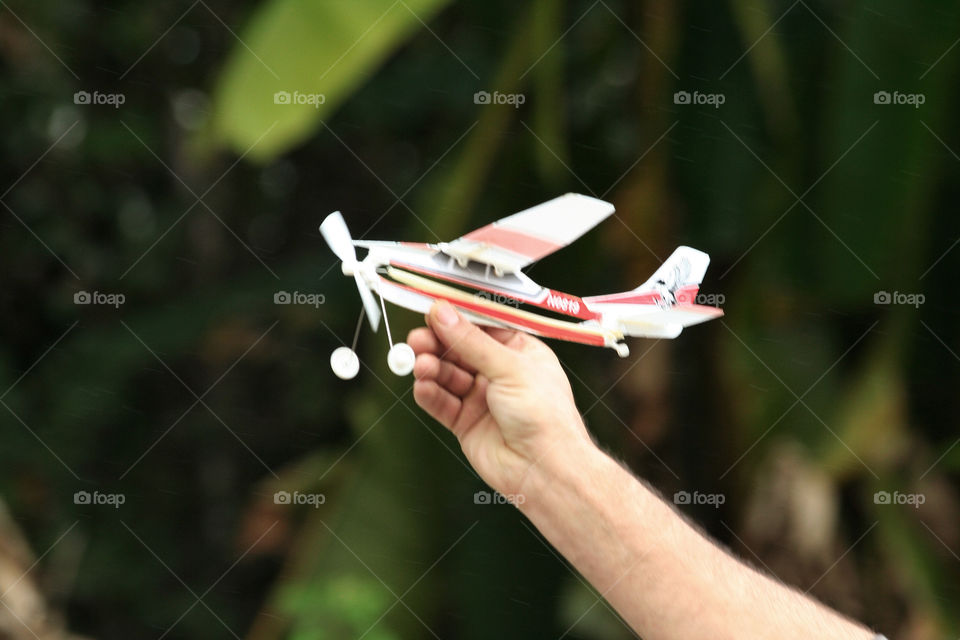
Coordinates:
[471,345]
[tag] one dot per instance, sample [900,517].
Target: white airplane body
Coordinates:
[480,274]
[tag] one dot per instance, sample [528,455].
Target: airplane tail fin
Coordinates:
[677,281]
[666,302]
[680,275]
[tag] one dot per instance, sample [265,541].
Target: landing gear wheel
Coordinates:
[401,359]
[344,363]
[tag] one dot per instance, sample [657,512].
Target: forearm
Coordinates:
[666,579]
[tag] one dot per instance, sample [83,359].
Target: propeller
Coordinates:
[334,231]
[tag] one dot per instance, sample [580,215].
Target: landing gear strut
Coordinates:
[400,358]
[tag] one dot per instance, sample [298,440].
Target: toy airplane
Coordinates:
[480,274]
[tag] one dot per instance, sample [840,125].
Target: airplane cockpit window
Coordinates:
[483,273]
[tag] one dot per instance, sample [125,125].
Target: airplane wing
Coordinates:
[513,242]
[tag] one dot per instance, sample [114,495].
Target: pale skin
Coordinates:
[505,397]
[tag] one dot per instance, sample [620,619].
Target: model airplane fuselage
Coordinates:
[480,274]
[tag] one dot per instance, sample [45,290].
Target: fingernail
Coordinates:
[446,314]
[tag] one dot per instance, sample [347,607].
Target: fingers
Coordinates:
[503,336]
[448,375]
[472,406]
[424,340]
[472,346]
[442,405]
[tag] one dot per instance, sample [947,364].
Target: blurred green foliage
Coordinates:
[199,198]
[316,48]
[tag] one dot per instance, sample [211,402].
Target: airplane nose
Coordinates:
[347,268]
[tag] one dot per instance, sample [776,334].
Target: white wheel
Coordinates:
[345,363]
[401,359]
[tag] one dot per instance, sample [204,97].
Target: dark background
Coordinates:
[198,398]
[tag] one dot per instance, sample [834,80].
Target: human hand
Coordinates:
[506,398]
[502,393]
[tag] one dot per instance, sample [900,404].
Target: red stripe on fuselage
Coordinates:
[687,294]
[506,316]
[557,301]
[684,295]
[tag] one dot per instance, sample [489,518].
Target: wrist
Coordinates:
[563,470]
[593,511]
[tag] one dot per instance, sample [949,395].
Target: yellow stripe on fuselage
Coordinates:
[436,288]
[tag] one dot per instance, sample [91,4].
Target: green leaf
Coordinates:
[306,48]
